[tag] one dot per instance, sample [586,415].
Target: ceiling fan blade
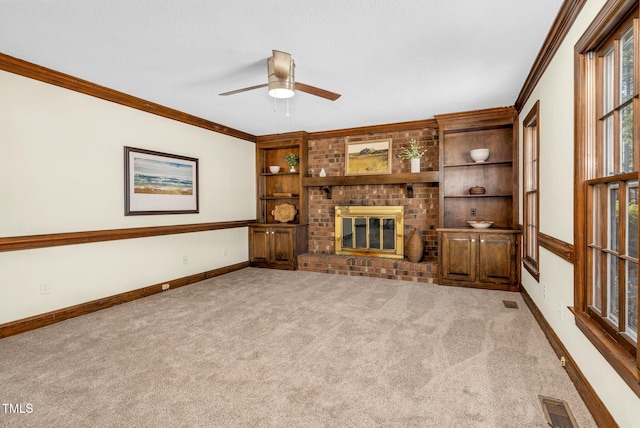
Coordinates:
[317,91]
[237,91]
[281,64]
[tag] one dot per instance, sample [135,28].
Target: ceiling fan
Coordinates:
[281,83]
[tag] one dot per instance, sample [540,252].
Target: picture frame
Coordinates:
[159,183]
[368,157]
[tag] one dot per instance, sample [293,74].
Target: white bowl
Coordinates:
[479,155]
[482,224]
[274,169]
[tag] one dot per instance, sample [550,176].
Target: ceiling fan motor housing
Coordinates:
[281,76]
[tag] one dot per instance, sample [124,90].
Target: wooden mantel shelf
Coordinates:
[356,180]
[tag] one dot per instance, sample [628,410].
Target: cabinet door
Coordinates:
[459,256]
[259,248]
[497,258]
[283,245]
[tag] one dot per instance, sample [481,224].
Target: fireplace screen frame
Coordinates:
[367,212]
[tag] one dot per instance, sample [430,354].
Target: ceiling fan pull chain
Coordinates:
[275,107]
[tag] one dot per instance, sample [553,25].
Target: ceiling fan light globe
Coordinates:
[281,91]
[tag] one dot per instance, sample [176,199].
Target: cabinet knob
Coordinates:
[267,232]
[272,232]
[482,240]
[473,240]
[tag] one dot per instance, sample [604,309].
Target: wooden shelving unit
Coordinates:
[273,244]
[474,257]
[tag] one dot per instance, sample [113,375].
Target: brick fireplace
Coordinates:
[420,212]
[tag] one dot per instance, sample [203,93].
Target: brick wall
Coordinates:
[421,211]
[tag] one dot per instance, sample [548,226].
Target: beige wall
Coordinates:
[556,123]
[62,171]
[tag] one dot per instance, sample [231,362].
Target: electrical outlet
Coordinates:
[563,361]
[165,286]
[473,212]
[45,288]
[185,260]
[544,290]
[561,310]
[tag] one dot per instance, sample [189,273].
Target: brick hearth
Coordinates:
[373,267]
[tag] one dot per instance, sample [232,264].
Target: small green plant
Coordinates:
[292,159]
[415,151]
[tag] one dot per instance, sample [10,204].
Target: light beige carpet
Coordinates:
[276,348]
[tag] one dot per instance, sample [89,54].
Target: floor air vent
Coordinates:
[557,413]
[510,304]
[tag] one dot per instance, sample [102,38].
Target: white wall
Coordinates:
[556,124]
[62,170]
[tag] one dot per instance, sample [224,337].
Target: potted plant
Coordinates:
[292,160]
[413,152]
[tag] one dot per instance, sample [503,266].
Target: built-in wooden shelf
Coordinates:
[466,164]
[409,179]
[478,196]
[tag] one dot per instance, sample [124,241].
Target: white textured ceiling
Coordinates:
[392,61]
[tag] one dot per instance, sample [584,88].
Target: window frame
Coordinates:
[531,187]
[611,20]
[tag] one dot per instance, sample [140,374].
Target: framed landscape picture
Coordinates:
[159,183]
[370,157]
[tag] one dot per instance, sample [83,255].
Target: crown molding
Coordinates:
[566,16]
[47,75]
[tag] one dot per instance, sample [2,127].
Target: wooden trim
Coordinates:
[42,320]
[531,135]
[356,180]
[560,248]
[597,408]
[43,74]
[15,243]
[568,13]
[616,355]
[477,119]
[374,129]
[608,18]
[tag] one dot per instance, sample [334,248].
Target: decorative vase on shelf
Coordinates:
[323,173]
[414,247]
[415,165]
[413,153]
[292,160]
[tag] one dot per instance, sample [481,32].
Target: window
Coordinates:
[531,197]
[607,149]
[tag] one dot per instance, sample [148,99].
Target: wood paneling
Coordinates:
[43,74]
[42,320]
[597,408]
[14,243]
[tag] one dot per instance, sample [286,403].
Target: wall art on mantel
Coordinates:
[368,157]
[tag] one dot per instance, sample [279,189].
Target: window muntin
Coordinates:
[531,193]
[611,209]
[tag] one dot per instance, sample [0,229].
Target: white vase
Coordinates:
[323,173]
[415,165]
[292,169]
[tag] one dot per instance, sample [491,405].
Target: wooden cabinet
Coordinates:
[486,259]
[277,246]
[273,244]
